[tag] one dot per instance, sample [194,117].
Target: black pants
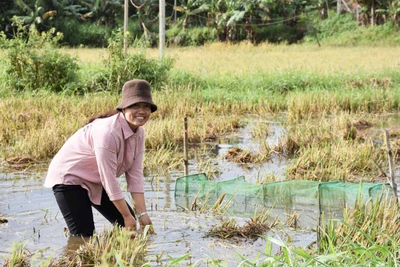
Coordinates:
[76,207]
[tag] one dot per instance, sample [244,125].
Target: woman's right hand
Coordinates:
[130,223]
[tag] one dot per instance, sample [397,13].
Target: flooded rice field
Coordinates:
[30,214]
[34,219]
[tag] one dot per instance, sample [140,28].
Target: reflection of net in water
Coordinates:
[308,198]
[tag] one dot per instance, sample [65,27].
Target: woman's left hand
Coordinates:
[145,220]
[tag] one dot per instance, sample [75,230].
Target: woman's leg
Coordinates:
[109,211]
[75,206]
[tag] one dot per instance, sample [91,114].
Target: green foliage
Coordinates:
[335,25]
[360,233]
[121,67]
[279,33]
[87,34]
[35,64]
[6,5]
[190,37]
[90,22]
[19,256]
[343,30]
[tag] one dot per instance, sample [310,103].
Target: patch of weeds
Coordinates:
[252,229]
[120,67]
[239,155]
[19,257]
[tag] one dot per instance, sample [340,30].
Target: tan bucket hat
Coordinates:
[136,91]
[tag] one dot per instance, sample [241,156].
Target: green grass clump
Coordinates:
[19,256]
[116,247]
[367,235]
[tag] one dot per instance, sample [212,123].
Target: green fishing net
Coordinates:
[309,198]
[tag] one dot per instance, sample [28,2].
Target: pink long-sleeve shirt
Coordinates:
[96,155]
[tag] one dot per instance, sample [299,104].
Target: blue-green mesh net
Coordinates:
[306,198]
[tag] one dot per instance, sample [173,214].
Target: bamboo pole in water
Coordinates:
[185,146]
[185,159]
[391,178]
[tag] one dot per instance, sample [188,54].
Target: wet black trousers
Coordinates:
[76,207]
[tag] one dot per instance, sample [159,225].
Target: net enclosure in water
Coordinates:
[285,197]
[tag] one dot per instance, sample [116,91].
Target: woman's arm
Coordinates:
[129,220]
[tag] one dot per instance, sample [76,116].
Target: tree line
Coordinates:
[226,20]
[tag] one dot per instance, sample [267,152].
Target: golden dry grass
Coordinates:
[337,148]
[240,59]
[38,126]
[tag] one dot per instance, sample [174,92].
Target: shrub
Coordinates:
[121,67]
[35,64]
[335,25]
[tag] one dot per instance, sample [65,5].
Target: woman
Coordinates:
[84,172]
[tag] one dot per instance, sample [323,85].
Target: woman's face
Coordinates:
[137,114]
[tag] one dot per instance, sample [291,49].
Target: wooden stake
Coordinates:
[162,28]
[185,160]
[126,9]
[185,147]
[373,13]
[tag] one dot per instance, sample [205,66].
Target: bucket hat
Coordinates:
[136,91]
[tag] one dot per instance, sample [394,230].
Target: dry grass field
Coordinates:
[240,59]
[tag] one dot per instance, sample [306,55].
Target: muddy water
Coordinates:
[34,219]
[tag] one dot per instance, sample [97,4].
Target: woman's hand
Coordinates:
[143,217]
[144,221]
[129,219]
[130,223]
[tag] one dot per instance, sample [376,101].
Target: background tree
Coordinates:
[7,11]
[90,22]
